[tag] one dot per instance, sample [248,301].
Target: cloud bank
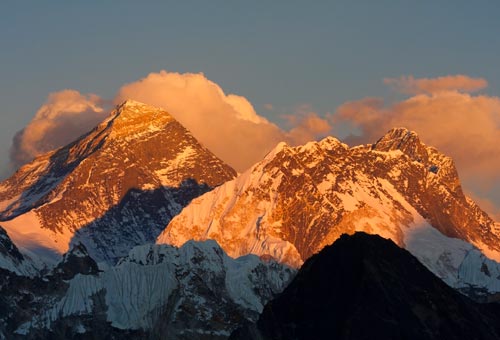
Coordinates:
[64,116]
[460,82]
[227,124]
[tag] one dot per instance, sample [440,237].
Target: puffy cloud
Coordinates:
[363,116]
[63,116]
[306,126]
[227,124]
[464,126]
[243,109]
[411,85]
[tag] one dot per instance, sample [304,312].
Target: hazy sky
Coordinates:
[284,57]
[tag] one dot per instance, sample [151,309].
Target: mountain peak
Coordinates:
[399,138]
[327,144]
[133,107]
[330,142]
[127,177]
[76,261]
[133,103]
[377,290]
[281,146]
[132,119]
[404,140]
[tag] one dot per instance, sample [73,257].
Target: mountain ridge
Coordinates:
[300,199]
[156,291]
[91,210]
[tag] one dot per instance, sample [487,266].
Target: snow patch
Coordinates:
[32,239]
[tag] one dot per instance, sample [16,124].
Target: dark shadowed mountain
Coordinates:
[366,287]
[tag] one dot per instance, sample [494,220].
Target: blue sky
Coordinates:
[286,53]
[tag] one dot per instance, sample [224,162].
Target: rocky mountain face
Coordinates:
[113,188]
[300,199]
[157,291]
[23,296]
[366,287]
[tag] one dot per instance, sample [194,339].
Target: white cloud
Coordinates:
[65,115]
[226,123]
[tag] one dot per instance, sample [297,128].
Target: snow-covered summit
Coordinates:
[131,103]
[133,120]
[111,189]
[397,138]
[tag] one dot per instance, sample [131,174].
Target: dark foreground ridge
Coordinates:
[365,287]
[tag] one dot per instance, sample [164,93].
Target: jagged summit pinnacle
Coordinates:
[407,142]
[397,139]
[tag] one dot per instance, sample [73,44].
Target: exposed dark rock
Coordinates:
[76,261]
